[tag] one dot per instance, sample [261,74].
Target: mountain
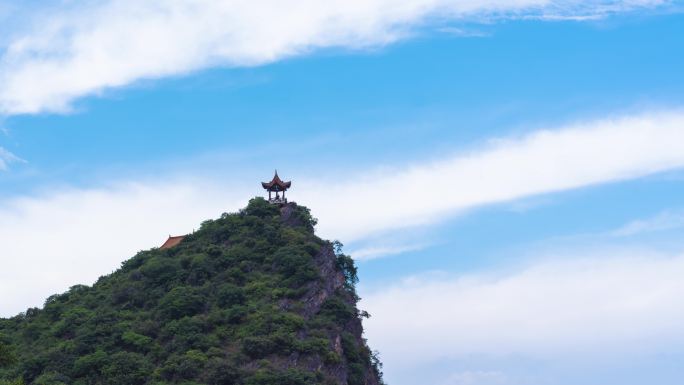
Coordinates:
[252,298]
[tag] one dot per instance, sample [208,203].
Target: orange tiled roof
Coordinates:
[172,241]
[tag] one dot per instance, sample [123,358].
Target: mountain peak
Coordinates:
[251,298]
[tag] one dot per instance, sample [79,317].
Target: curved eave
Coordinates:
[172,242]
[280,184]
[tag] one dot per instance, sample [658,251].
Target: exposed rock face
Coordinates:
[288,214]
[332,283]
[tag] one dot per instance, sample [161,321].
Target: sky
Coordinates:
[509,175]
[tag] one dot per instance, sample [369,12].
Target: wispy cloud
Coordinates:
[587,307]
[70,49]
[378,251]
[6,158]
[464,32]
[507,169]
[666,220]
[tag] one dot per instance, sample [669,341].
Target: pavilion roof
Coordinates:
[276,184]
[172,241]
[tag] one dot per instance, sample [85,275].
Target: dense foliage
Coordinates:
[226,306]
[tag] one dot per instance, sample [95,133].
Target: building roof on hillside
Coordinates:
[172,241]
[276,184]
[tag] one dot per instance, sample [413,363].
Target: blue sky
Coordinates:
[509,175]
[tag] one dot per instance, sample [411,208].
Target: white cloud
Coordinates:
[378,251]
[667,220]
[71,49]
[541,162]
[593,307]
[6,158]
[77,235]
[50,243]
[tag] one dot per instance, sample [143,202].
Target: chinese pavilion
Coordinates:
[277,186]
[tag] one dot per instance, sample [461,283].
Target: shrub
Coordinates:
[346,264]
[17,381]
[259,207]
[136,340]
[185,366]
[160,270]
[230,295]
[181,301]
[296,265]
[258,347]
[336,310]
[125,368]
[7,355]
[221,372]
[52,378]
[90,364]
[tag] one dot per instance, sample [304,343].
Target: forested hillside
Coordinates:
[252,298]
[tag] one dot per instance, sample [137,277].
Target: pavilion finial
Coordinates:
[278,186]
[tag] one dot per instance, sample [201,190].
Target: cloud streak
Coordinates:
[541,162]
[6,158]
[380,251]
[587,308]
[667,220]
[72,49]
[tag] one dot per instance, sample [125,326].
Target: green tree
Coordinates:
[125,368]
[181,301]
[7,354]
